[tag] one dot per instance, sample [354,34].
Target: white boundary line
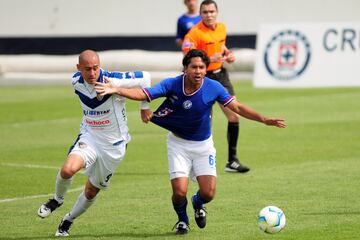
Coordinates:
[28,166]
[42,122]
[32,166]
[36,196]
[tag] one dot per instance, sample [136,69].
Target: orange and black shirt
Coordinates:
[210,41]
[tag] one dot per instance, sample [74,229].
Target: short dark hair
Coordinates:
[208,2]
[196,53]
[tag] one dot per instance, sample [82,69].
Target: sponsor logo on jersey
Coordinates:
[95,123]
[187,104]
[189,25]
[163,112]
[287,55]
[95,113]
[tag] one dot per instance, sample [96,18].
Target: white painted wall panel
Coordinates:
[26,18]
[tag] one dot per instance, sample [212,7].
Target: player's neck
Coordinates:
[191,87]
[211,26]
[192,12]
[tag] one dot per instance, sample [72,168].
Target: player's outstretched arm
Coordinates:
[109,88]
[251,114]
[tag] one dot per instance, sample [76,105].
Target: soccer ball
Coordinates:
[271,219]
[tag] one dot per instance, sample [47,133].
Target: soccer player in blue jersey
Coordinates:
[186,21]
[186,113]
[101,144]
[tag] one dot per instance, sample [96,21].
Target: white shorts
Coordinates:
[101,160]
[191,158]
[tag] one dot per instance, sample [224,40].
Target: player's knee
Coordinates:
[69,169]
[180,193]
[67,172]
[208,194]
[233,118]
[91,193]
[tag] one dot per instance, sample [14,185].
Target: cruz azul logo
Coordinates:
[287,55]
[187,104]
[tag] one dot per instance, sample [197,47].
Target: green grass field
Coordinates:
[310,169]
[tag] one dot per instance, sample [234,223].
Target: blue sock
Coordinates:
[180,210]
[198,201]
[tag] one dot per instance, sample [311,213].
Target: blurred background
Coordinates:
[310,169]
[40,39]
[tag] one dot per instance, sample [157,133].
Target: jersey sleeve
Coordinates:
[75,79]
[179,31]
[223,96]
[159,90]
[131,80]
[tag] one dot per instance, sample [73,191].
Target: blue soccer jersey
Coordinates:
[185,23]
[187,115]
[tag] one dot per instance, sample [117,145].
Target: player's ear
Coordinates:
[78,67]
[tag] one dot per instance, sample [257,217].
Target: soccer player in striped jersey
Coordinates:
[186,113]
[101,144]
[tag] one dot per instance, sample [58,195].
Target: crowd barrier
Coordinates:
[57,69]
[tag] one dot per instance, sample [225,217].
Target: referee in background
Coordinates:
[210,36]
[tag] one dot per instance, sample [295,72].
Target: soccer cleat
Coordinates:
[63,229]
[47,208]
[181,228]
[235,166]
[200,215]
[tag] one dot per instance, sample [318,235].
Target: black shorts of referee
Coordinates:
[222,76]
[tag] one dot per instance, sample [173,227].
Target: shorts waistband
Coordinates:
[191,142]
[215,71]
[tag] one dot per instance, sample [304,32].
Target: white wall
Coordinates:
[156,17]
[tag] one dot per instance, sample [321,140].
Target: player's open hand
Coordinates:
[146,115]
[107,87]
[280,123]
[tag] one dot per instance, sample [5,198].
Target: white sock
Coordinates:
[61,187]
[81,205]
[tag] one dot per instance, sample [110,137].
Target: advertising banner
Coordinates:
[308,55]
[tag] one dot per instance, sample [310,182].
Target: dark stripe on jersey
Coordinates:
[77,74]
[148,95]
[91,102]
[229,101]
